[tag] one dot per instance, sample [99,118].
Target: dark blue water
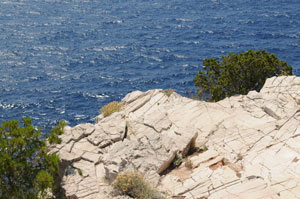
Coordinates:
[66,59]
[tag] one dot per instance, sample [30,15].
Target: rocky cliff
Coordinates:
[245,146]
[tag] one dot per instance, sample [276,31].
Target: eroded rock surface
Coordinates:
[253,144]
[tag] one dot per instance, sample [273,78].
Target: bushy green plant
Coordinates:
[55,132]
[110,108]
[27,169]
[134,185]
[238,74]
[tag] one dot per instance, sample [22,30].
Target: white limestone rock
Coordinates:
[253,144]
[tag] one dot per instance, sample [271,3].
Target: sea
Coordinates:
[65,59]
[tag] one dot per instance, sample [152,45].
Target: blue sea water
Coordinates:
[66,59]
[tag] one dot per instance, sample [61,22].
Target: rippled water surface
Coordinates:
[66,59]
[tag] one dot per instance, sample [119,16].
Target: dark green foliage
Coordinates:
[55,132]
[238,74]
[26,167]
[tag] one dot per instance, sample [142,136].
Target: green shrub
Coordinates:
[27,169]
[237,74]
[55,132]
[110,108]
[134,185]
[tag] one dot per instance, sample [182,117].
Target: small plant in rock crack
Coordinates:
[239,157]
[110,108]
[133,184]
[79,172]
[178,160]
[168,92]
[203,149]
[188,164]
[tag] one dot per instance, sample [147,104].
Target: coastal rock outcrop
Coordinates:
[245,146]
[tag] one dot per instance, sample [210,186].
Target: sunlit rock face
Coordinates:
[244,146]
